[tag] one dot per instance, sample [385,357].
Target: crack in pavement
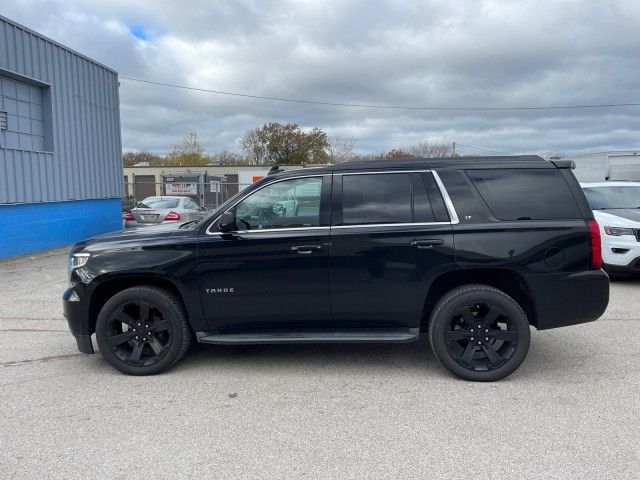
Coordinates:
[18,363]
[35,319]
[31,330]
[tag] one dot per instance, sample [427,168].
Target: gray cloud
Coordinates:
[418,53]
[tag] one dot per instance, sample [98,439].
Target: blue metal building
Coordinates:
[60,148]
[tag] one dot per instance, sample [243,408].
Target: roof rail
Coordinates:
[275,169]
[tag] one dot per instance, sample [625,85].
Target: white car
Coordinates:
[164,209]
[616,207]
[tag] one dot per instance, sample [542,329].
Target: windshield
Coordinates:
[159,202]
[602,198]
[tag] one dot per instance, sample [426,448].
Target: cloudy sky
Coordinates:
[421,53]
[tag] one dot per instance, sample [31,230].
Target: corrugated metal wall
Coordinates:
[82,157]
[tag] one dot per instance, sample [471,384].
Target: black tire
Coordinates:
[504,335]
[143,331]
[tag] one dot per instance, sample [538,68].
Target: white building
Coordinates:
[613,165]
[208,185]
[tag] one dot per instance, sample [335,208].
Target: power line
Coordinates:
[386,107]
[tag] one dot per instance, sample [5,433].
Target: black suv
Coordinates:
[469,251]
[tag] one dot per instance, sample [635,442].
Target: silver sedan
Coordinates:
[164,209]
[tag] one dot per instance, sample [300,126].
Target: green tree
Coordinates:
[129,159]
[285,144]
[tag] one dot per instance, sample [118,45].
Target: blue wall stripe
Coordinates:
[30,227]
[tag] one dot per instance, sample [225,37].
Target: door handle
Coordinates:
[306,249]
[426,243]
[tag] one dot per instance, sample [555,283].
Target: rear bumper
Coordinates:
[569,299]
[73,312]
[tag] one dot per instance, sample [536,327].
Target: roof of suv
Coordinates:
[516,161]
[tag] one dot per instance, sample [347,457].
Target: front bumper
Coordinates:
[73,311]
[569,299]
[620,251]
[632,267]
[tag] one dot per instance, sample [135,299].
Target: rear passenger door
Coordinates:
[391,235]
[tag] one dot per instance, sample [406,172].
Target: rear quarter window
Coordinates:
[525,194]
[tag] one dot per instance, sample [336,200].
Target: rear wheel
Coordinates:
[479,333]
[142,331]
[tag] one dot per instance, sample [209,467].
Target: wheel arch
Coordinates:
[510,282]
[109,287]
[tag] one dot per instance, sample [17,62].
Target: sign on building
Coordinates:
[181,188]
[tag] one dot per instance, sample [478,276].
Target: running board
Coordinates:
[367,335]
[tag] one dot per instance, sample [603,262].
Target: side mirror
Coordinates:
[227,222]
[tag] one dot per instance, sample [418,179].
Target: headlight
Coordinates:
[77,260]
[617,231]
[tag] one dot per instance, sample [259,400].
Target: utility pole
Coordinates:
[454,150]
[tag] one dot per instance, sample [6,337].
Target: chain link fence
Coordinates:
[208,193]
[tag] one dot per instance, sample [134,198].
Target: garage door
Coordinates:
[625,172]
[144,186]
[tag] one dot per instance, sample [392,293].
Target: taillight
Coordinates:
[596,244]
[173,216]
[128,216]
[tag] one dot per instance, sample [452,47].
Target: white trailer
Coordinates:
[602,166]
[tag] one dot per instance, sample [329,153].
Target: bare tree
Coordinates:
[341,149]
[189,145]
[254,145]
[225,157]
[188,152]
[429,149]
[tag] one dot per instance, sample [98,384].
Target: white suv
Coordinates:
[616,207]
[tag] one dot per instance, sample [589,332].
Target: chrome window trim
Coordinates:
[275,180]
[379,172]
[404,224]
[270,230]
[453,215]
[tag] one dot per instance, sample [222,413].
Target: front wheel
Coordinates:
[479,333]
[142,331]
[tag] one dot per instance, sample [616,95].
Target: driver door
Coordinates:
[272,271]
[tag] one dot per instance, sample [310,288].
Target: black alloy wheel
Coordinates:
[142,330]
[138,333]
[479,333]
[481,337]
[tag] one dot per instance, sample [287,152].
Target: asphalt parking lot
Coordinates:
[338,411]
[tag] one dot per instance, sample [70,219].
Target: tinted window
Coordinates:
[376,198]
[440,213]
[525,194]
[159,202]
[422,211]
[600,198]
[291,203]
[467,202]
